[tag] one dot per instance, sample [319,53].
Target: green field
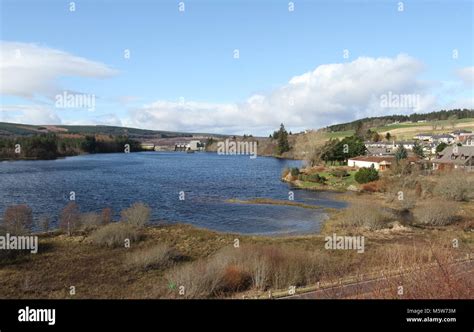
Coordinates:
[340,134]
[333,183]
[446,124]
[408,130]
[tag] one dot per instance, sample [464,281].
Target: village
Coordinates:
[453,150]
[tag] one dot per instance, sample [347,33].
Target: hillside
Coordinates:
[406,130]
[17,129]
[381,121]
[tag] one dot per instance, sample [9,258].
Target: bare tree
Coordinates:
[70,218]
[18,218]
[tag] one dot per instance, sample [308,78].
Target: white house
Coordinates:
[423,136]
[406,144]
[195,145]
[444,138]
[147,146]
[378,162]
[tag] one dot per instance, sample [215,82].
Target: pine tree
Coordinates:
[283,145]
[401,153]
[418,150]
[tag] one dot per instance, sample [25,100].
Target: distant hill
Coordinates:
[17,129]
[415,117]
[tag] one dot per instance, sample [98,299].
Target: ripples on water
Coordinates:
[156,178]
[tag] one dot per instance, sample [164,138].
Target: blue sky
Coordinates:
[181,64]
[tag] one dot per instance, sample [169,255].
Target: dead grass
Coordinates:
[365,215]
[437,213]
[115,235]
[441,278]
[160,256]
[256,267]
[263,263]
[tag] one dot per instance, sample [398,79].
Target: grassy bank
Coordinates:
[332,178]
[208,264]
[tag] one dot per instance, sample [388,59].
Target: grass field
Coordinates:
[333,183]
[404,131]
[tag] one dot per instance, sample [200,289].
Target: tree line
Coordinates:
[51,146]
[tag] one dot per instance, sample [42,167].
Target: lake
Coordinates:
[207,179]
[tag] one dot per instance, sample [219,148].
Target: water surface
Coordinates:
[156,178]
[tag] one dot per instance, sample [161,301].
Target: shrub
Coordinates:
[454,187]
[235,279]
[294,171]
[405,200]
[138,214]
[365,215]
[339,172]
[370,187]
[200,279]
[114,234]
[158,256]
[365,175]
[18,219]
[436,213]
[90,221]
[44,222]
[70,218]
[258,267]
[312,178]
[106,216]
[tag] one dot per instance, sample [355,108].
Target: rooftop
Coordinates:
[455,155]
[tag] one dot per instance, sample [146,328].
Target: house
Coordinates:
[469,141]
[461,132]
[390,145]
[378,162]
[147,146]
[193,145]
[461,135]
[423,136]
[381,163]
[370,144]
[380,151]
[455,157]
[429,148]
[406,144]
[443,138]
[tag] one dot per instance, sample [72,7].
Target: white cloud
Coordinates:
[28,114]
[31,70]
[466,75]
[329,94]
